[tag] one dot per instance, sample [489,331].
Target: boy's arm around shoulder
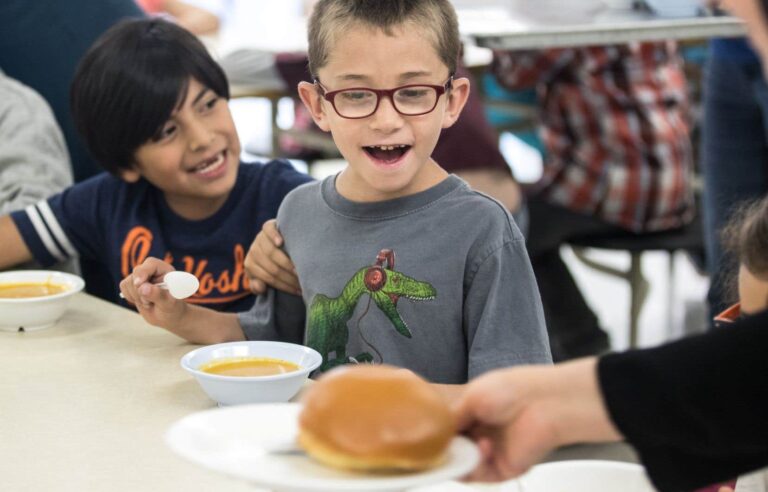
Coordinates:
[13,249]
[503,315]
[278,315]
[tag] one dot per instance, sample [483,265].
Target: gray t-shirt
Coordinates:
[438,282]
[34,162]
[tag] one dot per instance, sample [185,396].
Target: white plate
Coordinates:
[585,476]
[236,440]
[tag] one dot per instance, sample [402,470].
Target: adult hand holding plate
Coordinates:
[248,442]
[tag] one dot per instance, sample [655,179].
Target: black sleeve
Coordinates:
[695,410]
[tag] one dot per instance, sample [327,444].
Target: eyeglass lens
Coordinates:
[356,103]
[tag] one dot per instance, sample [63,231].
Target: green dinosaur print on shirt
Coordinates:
[327,330]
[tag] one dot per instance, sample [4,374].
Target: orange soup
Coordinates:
[248,366]
[18,290]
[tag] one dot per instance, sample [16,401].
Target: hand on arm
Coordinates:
[193,323]
[13,249]
[517,416]
[267,264]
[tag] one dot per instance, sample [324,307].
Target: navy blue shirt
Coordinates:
[119,224]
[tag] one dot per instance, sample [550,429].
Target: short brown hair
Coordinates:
[331,17]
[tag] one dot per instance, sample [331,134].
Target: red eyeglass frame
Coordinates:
[330,96]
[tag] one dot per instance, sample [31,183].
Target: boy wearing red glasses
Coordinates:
[399,262]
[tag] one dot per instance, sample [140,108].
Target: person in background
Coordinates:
[694,409]
[746,238]
[734,149]
[41,43]
[614,123]
[195,19]
[34,163]
[151,105]
[399,262]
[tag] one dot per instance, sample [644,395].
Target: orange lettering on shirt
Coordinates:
[222,283]
[135,249]
[227,286]
[239,281]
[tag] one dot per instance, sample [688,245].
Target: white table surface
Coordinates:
[84,406]
[506,29]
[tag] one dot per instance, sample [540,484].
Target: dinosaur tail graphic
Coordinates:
[362,335]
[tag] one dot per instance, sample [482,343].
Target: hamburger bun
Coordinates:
[375,419]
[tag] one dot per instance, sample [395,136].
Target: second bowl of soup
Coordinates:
[35,299]
[251,372]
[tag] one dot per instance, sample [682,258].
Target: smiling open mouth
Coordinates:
[387,153]
[210,165]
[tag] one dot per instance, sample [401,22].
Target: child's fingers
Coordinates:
[257,286]
[257,258]
[150,270]
[282,260]
[150,294]
[270,257]
[281,280]
[128,290]
[269,265]
[270,228]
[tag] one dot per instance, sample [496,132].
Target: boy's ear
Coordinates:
[130,175]
[313,101]
[457,98]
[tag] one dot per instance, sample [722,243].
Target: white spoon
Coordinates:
[179,284]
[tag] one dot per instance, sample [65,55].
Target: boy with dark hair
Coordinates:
[399,262]
[151,105]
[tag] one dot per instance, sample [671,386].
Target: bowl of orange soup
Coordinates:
[251,372]
[35,299]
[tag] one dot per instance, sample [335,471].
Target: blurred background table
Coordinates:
[85,405]
[610,26]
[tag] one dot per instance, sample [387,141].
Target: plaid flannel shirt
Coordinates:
[615,124]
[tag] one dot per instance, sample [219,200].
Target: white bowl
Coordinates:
[237,390]
[675,8]
[36,313]
[586,476]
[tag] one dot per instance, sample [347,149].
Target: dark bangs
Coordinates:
[129,83]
